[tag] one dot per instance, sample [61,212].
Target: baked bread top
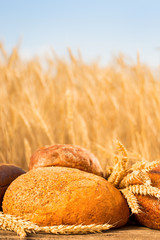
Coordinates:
[66,155]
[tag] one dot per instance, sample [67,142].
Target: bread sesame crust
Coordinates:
[57,195]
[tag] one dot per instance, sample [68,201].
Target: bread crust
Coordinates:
[150,206]
[59,195]
[66,155]
[7,174]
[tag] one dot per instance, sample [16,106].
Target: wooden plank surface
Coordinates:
[128,232]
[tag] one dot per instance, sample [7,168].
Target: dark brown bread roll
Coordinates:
[59,195]
[7,174]
[150,206]
[66,155]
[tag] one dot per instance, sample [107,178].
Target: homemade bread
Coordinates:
[7,174]
[66,155]
[59,195]
[150,206]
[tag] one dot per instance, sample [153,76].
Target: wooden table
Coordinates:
[126,233]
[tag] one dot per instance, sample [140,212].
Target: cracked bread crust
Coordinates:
[66,155]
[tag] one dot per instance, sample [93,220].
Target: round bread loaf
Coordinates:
[59,195]
[150,206]
[66,155]
[7,174]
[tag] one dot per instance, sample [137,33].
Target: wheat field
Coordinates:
[52,100]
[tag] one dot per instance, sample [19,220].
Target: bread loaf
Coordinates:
[60,195]
[66,155]
[7,174]
[150,206]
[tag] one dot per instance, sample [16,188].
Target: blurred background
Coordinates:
[82,72]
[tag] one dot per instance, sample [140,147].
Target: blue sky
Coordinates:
[98,28]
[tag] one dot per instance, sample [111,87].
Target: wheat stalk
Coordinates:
[113,174]
[144,165]
[22,227]
[131,200]
[134,180]
[119,177]
[138,165]
[150,165]
[76,229]
[70,116]
[124,153]
[108,172]
[116,159]
[12,223]
[145,190]
[120,167]
[140,175]
[111,99]
[121,148]
[28,152]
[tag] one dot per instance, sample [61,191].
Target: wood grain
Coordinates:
[127,233]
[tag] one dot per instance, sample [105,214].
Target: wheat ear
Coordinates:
[108,172]
[131,200]
[22,227]
[117,174]
[11,223]
[144,177]
[145,165]
[124,153]
[70,116]
[138,165]
[145,190]
[119,177]
[114,174]
[135,175]
[150,165]
[120,168]
[75,229]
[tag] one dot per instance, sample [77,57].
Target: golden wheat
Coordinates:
[52,100]
[22,227]
[133,180]
[131,200]
[145,190]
